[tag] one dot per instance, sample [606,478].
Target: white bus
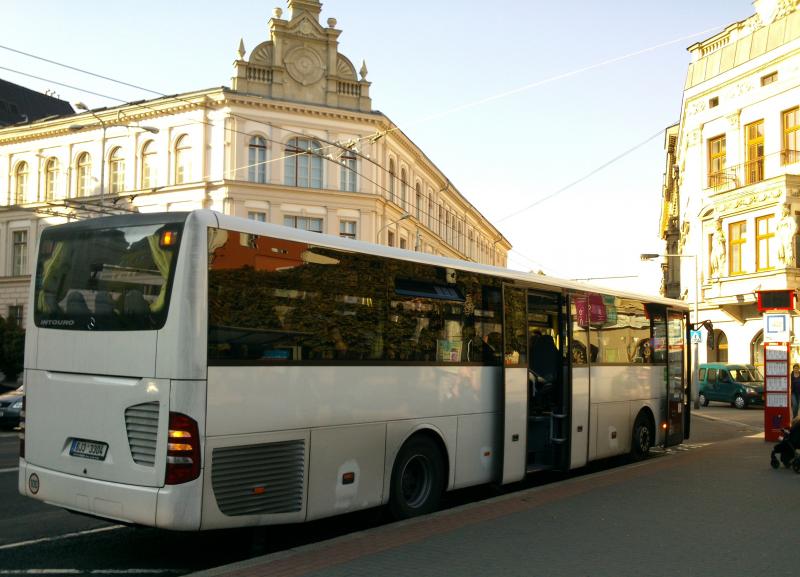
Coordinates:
[198,371]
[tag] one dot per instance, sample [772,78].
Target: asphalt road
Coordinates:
[38,538]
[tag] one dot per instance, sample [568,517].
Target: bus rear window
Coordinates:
[108,279]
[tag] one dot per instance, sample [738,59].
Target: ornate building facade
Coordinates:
[294,141]
[732,188]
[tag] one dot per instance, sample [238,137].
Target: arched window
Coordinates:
[183,160]
[257,160]
[84,174]
[347,180]
[303,163]
[149,170]
[757,351]
[50,179]
[116,173]
[719,351]
[419,201]
[391,179]
[403,189]
[20,182]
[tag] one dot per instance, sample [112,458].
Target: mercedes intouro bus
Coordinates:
[198,371]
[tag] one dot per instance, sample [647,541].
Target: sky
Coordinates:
[547,116]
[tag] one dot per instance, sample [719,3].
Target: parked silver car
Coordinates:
[10,408]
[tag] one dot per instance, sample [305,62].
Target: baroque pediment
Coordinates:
[306,27]
[262,54]
[300,62]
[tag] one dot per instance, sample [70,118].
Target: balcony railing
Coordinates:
[735,176]
[790,156]
[748,173]
[726,179]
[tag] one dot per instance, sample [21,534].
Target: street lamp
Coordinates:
[404,216]
[652,256]
[104,126]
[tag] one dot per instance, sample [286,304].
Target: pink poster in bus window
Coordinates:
[590,310]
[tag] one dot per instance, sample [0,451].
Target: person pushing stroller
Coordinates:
[785,451]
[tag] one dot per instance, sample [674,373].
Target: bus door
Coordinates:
[515,383]
[547,381]
[677,405]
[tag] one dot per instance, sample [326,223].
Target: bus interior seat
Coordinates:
[103,304]
[134,303]
[544,366]
[76,304]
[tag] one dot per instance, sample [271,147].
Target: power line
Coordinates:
[569,74]
[62,84]
[582,178]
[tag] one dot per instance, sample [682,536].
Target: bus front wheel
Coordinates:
[642,437]
[417,479]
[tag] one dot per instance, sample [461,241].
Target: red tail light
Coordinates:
[22,429]
[183,450]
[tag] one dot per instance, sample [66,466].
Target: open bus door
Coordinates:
[534,382]
[515,383]
[677,402]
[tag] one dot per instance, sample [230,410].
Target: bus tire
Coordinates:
[642,437]
[417,479]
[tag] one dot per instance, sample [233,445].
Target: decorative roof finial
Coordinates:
[331,22]
[363,70]
[277,13]
[241,49]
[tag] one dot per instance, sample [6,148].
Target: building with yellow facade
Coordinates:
[732,188]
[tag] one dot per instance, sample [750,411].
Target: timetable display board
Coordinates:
[776,390]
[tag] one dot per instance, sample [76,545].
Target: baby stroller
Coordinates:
[786,450]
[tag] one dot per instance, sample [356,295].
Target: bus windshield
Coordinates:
[106,279]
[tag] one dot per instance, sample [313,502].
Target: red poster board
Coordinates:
[777,414]
[590,310]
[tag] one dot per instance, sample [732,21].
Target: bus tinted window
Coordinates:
[277,301]
[619,331]
[105,279]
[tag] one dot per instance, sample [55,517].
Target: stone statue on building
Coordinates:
[718,252]
[786,232]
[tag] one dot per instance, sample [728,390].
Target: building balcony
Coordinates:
[752,172]
[736,295]
[744,187]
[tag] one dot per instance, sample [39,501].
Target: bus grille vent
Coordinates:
[257,479]
[141,421]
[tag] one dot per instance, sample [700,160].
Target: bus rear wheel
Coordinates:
[417,479]
[642,437]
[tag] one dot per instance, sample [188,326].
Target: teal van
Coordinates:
[739,385]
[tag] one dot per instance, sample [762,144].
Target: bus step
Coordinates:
[537,467]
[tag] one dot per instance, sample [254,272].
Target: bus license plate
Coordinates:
[88,449]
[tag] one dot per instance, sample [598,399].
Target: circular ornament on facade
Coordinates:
[304,65]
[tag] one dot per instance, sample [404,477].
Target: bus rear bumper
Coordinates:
[113,501]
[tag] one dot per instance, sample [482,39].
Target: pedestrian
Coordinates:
[795,376]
